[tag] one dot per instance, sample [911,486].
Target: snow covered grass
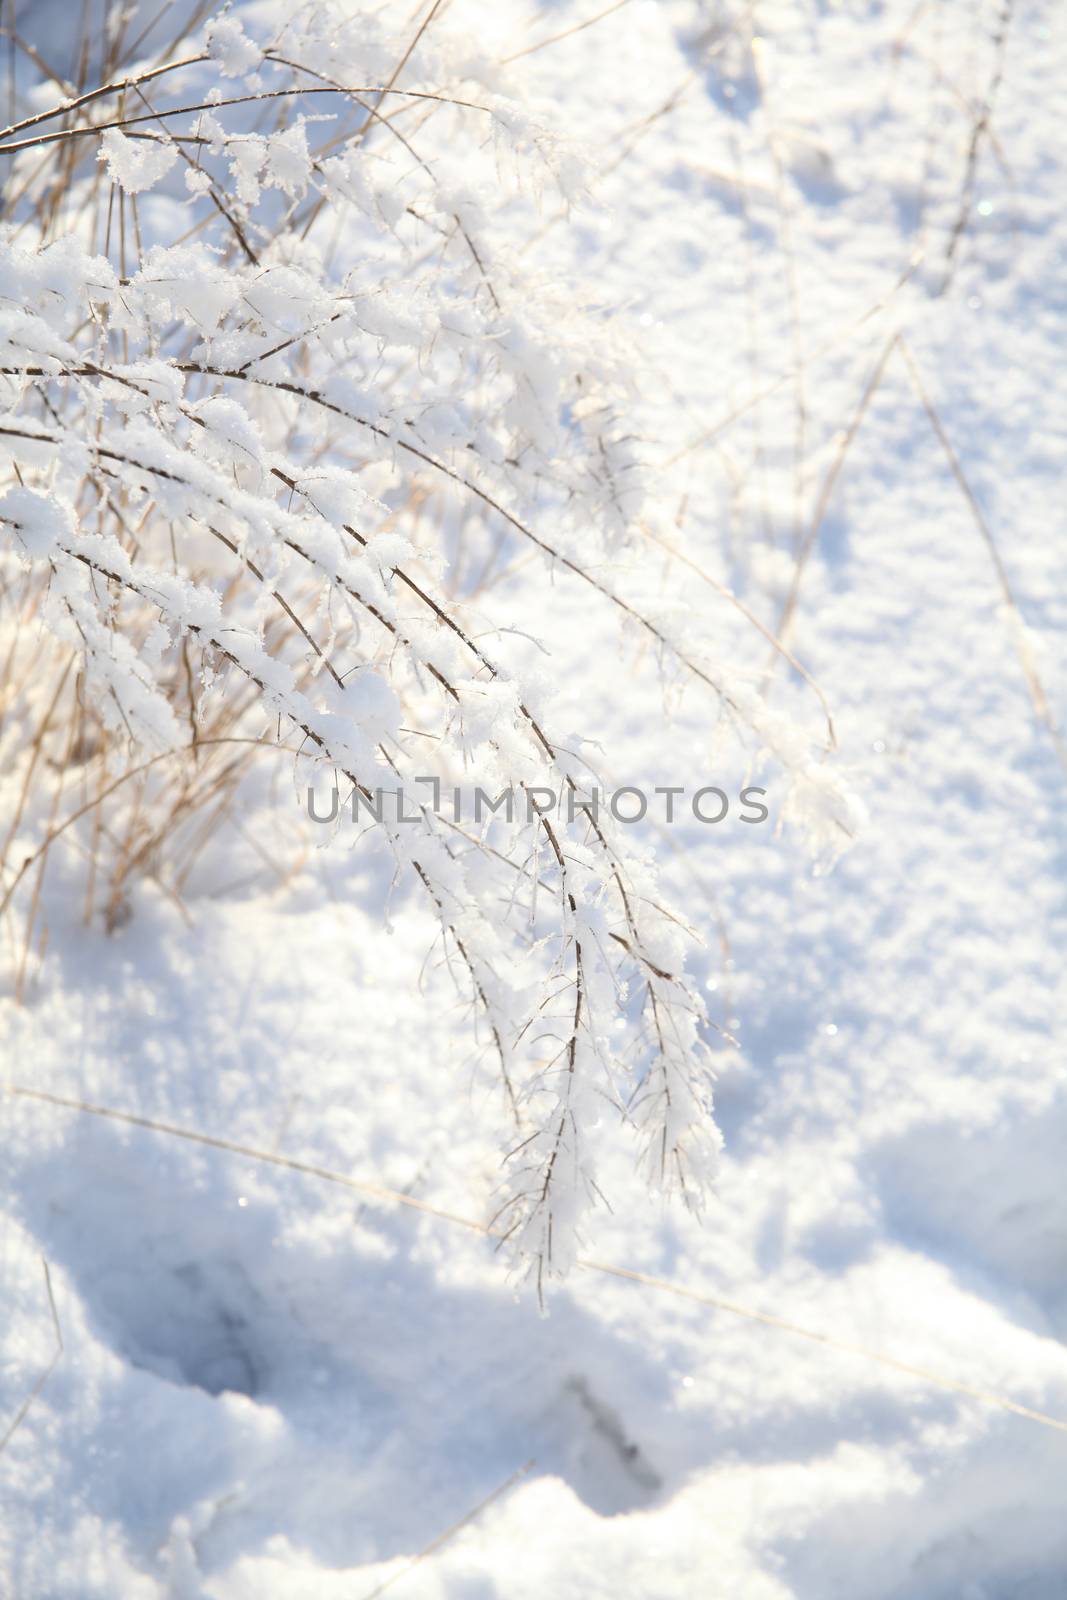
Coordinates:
[222,379]
[384,436]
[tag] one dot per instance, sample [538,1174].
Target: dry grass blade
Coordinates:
[35,753]
[16,40]
[372,110]
[450,1533]
[124,777]
[979,132]
[65,134]
[788,375]
[988,1397]
[1038,695]
[785,617]
[78,101]
[374,1191]
[20,1416]
[750,617]
[783,206]
[579,27]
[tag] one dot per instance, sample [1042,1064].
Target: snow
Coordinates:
[273,1384]
[38,521]
[136,164]
[288,162]
[231,48]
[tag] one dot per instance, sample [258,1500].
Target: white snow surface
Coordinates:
[271,1385]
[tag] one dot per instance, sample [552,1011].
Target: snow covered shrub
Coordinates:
[258,301]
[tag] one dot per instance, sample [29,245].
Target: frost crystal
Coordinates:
[231,49]
[136,164]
